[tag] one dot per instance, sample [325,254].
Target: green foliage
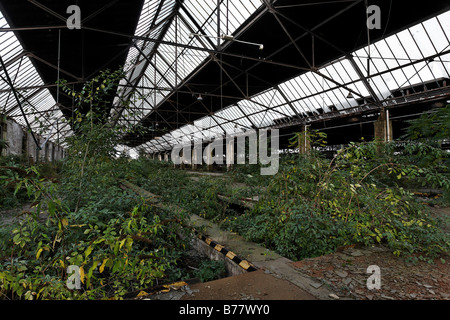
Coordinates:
[195,194]
[3,144]
[210,270]
[430,128]
[120,243]
[92,166]
[249,174]
[94,95]
[11,168]
[126,253]
[425,136]
[313,138]
[313,205]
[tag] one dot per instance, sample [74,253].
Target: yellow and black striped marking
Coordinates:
[227,253]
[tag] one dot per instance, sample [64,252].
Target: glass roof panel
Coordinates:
[231,113]
[270,98]
[157,75]
[422,39]
[441,67]
[38,103]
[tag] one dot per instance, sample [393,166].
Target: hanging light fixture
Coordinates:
[200,98]
[350,95]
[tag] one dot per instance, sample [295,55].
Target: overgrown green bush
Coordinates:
[119,242]
[128,252]
[3,144]
[313,205]
[10,168]
[195,194]
[210,270]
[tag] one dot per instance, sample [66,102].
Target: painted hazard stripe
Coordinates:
[230,255]
[227,253]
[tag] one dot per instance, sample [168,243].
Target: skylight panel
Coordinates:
[23,74]
[437,36]
[444,22]
[422,41]
[309,92]
[287,110]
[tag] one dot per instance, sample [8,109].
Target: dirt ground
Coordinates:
[256,285]
[343,273]
[346,274]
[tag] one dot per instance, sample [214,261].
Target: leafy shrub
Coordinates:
[210,270]
[124,254]
[11,168]
[119,242]
[313,205]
